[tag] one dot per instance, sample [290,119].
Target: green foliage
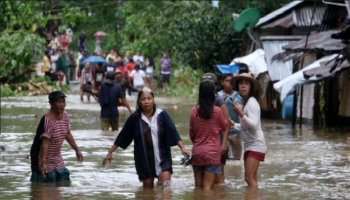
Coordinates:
[7,92]
[18,43]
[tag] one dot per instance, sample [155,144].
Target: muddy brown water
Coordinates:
[307,163]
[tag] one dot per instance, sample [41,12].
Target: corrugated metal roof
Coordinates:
[277,70]
[277,12]
[325,69]
[299,17]
[302,16]
[320,40]
[285,22]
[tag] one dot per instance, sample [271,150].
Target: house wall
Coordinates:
[308,93]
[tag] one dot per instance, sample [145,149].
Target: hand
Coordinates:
[224,149]
[107,158]
[79,156]
[224,97]
[43,170]
[185,153]
[232,124]
[237,108]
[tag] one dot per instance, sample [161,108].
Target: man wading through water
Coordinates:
[108,97]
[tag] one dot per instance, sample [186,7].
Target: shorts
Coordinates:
[97,88]
[61,175]
[216,169]
[253,154]
[138,86]
[165,78]
[234,144]
[149,75]
[61,73]
[109,122]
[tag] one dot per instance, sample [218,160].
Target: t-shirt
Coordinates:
[56,131]
[98,76]
[137,59]
[110,68]
[205,136]
[62,64]
[236,99]
[82,39]
[138,77]
[108,98]
[46,64]
[164,68]
[218,101]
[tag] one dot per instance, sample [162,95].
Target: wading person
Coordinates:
[250,126]
[219,102]
[206,122]
[108,97]
[165,64]
[71,67]
[61,67]
[46,160]
[86,81]
[139,76]
[234,141]
[150,66]
[153,133]
[47,64]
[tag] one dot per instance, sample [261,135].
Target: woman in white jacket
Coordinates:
[250,126]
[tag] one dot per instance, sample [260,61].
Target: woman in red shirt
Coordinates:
[206,122]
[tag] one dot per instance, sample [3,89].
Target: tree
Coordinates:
[18,42]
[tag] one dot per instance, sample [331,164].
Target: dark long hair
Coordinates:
[137,67]
[250,94]
[150,59]
[138,104]
[206,99]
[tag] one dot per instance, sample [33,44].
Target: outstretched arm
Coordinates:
[71,142]
[183,150]
[109,155]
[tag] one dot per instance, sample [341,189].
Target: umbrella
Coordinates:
[234,69]
[100,33]
[94,60]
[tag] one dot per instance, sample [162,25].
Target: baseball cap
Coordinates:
[117,71]
[82,32]
[110,78]
[55,95]
[209,77]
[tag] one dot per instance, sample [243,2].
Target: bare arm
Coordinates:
[45,147]
[183,150]
[71,142]
[226,133]
[109,155]
[126,104]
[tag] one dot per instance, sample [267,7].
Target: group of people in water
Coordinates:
[218,119]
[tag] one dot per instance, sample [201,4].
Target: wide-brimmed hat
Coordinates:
[235,79]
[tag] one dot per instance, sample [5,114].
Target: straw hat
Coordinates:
[235,79]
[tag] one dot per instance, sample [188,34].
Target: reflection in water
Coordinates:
[300,164]
[47,190]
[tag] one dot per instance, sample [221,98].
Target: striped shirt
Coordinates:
[56,131]
[205,136]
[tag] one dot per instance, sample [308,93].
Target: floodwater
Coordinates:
[300,164]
